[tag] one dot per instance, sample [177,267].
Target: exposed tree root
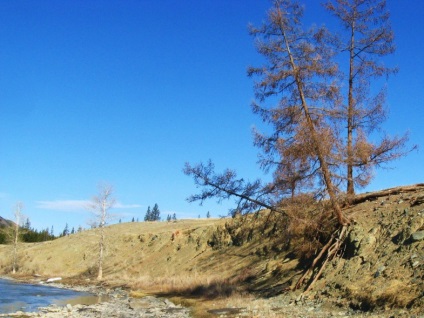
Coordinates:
[327,253]
[332,248]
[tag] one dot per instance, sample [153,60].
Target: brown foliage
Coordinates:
[367,38]
[299,72]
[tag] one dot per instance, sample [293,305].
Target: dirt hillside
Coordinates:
[381,265]
[5,223]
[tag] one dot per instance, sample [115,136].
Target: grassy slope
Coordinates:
[133,249]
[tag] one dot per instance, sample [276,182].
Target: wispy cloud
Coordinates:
[3,195]
[63,205]
[76,205]
[120,205]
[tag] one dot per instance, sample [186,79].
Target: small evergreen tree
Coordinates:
[27,225]
[174,217]
[133,220]
[168,218]
[155,213]
[208,215]
[148,214]
[65,230]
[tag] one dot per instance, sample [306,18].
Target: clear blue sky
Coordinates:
[128,91]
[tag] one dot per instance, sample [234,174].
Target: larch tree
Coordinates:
[366,39]
[295,92]
[299,80]
[300,94]
[100,206]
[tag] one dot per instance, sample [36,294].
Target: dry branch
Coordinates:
[392,191]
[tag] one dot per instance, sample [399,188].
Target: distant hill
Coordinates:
[5,223]
[27,235]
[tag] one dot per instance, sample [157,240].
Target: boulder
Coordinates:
[417,236]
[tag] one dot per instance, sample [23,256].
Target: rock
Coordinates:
[415,264]
[53,279]
[115,308]
[143,303]
[417,236]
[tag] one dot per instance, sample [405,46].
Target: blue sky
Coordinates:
[128,91]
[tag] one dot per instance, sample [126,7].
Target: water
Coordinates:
[28,297]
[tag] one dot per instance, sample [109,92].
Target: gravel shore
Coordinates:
[118,304]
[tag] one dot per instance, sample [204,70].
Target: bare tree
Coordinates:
[100,207]
[18,221]
[367,38]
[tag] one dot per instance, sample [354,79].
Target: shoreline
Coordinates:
[113,302]
[120,304]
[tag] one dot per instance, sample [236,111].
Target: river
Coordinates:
[16,296]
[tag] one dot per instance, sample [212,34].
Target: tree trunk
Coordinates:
[317,144]
[101,247]
[15,248]
[16,236]
[350,107]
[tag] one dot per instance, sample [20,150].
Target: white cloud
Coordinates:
[76,205]
[120,205]
[63,205]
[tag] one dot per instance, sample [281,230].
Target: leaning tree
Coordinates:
[295,91]
[299,93]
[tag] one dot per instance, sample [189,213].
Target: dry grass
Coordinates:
[367,296]
[173,284]
[201,293]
